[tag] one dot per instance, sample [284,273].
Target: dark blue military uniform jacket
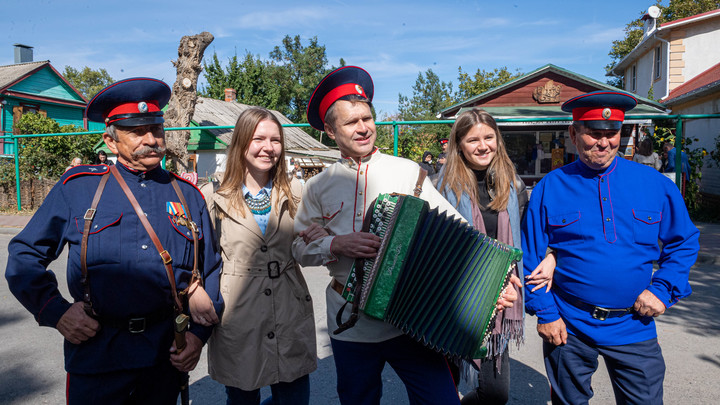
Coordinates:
[127,276]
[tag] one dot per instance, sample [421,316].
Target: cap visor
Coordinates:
[603,125]
[137,121]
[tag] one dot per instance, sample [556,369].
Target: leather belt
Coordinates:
[596,312]
[337,286]
[138,324]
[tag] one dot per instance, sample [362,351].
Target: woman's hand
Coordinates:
[201,306]
[543,273]
[510,295]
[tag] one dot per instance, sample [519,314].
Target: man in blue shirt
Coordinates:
[603,216]
[118,323]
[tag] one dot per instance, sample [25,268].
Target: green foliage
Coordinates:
[715,153]
[88,81]
[665,132]
[284,82]
[411,144]
[482,81]
[675,10]
[302,69]
[430,95]
[47,157]
[255,81]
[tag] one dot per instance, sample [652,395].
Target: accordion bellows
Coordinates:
[435,278]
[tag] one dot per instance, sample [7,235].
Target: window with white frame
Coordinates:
[658,62]
[633,77]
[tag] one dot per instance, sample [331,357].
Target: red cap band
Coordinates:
[337,93]
[134,108]
[598,114]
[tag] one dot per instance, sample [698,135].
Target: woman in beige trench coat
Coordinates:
[267,332]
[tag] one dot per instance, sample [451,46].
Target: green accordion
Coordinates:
[435,278]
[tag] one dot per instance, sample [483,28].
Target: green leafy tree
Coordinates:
[302,68]
[284,82]
[47,157]
[675,10]
[87,81]
[256,82]
[430,95]
[482,81]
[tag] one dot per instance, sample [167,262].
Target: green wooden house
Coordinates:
[36,87]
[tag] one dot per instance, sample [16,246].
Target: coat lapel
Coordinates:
[248,221]
[274,220]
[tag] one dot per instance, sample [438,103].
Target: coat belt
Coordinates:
[273,269]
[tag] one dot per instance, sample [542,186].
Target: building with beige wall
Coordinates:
[678,63]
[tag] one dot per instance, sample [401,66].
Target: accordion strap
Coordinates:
[357,289]
[418,186]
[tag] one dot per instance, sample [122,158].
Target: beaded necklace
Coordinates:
[259,205]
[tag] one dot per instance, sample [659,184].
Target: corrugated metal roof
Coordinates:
[212,112]
[10,73]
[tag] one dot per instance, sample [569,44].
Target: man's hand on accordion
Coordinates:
[363,245]
[510,295]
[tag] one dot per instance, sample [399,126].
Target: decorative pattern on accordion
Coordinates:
[435,278]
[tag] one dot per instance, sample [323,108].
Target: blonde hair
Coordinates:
[458,175]
[236,169]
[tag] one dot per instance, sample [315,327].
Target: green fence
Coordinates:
[396,133]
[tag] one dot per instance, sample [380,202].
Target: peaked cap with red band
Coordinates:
[600,109]
[339,83]
[130,102]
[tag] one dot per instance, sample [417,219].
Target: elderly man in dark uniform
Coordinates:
[129,263]
[604,216]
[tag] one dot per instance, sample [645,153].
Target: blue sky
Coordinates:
[393,40]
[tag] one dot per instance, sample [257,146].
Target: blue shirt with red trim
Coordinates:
[607,228]
[126,273]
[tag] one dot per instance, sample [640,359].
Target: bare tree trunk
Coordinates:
[184,96]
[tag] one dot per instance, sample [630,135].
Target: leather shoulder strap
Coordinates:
[164,255]
[89,216]
[419,183]
[193,228]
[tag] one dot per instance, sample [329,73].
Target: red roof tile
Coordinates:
[705,78]
[692,17]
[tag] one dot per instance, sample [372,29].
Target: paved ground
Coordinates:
[31,368]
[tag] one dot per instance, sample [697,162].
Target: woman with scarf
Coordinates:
[480,181]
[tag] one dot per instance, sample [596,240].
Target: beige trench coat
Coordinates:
[267,332]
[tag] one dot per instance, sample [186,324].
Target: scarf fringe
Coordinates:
[497,344]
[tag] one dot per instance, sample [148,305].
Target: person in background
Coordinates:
[480,181]
[102,159]
[427,163]
[298,173]
[670,153]
[75,162]
[607,229]
[267,333]
[646,155]
[444,144]
[441,160]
